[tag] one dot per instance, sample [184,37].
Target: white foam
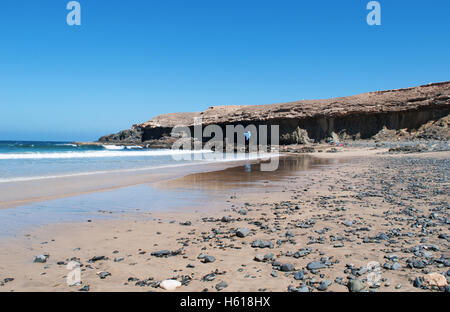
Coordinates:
[67,144]
[99,154]
[113,147]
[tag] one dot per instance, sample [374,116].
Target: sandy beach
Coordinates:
[358,218]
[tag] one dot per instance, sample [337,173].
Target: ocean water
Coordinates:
[21,162]
[24,161]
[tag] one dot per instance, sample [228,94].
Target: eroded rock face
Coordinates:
[133,135]
[355,117]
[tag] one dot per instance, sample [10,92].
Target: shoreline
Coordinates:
[20,193]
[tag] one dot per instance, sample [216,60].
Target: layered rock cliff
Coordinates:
[360,116]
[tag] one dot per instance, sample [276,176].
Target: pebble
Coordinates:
[41,259]
[103,275]
[287,267]
[242,232]
[324,285]
[355,285]
[209,259]
[222,285]
[170,284]
[315,265]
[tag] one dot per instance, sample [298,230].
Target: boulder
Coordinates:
[435,279]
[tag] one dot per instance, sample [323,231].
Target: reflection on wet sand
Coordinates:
[246,175]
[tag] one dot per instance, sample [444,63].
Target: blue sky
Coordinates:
[132,60]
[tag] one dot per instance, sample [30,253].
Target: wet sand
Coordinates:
[331,215]
[13,194]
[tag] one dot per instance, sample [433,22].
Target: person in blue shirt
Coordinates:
[247,134]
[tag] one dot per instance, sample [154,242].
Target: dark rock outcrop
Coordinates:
[360,116]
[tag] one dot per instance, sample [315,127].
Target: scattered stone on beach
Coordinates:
[262,244]
[226,219]
[161,253]
[435,279]
[302,289]
[259,258]
[170,284]
[395,266]
[209,277]
[103,275]
[355,285]
[287,267]
[97,258]
[242,212]
[208,259]
[348,223]
[324,285]
[315,265]
[222,285]
[299,276]
[41,259]
[243,232]
[418,282]
[6,280]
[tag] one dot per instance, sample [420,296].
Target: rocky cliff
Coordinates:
[360,116]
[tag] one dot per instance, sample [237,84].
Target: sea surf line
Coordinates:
[225,159]
[98,154]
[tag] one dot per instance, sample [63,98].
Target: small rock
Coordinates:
[418,282]
[170,284]
[209,277]
[324,285]
[242,232]
[300,275]
[222,285]
[41,259]
[226,219]
[315,265]
[97,258]
[355,285]
[395,266]
[435,279]
[208,259]
[259,258]
[103,275]
[287,267]
[161,253]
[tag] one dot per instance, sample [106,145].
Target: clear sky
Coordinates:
[135,59]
